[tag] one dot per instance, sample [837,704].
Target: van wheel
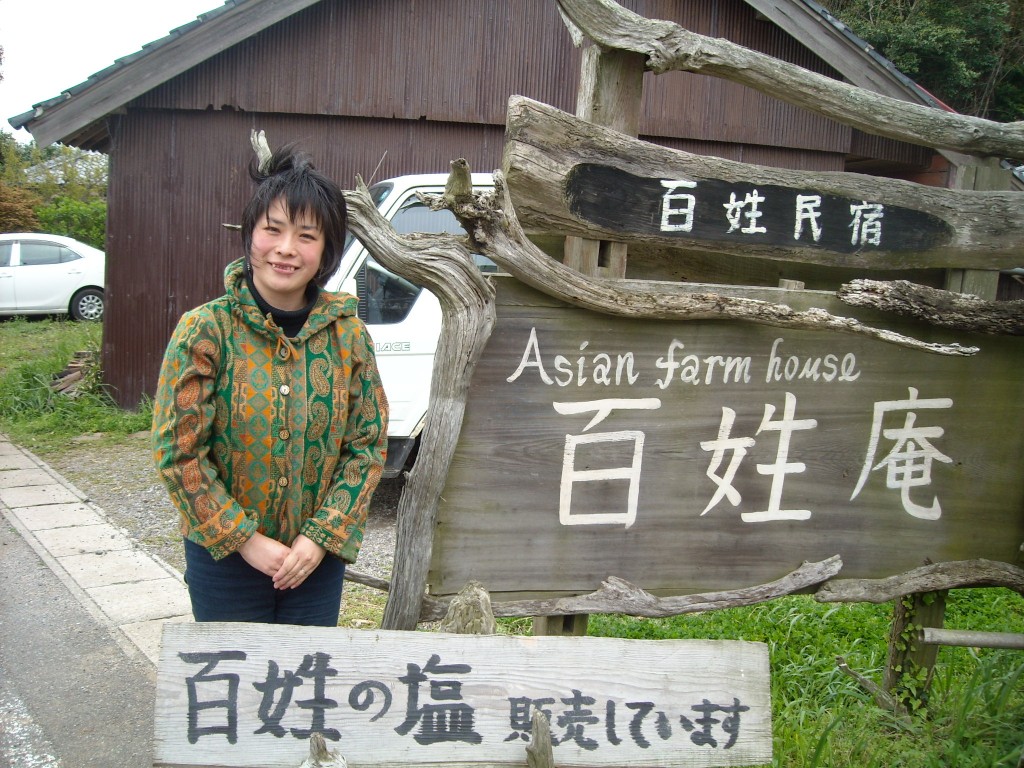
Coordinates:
[87,304]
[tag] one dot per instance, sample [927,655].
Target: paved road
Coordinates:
[81,613]
[69,694]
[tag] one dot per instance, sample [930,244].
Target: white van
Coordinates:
[404,319]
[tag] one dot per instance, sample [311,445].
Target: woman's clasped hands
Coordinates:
[288,566]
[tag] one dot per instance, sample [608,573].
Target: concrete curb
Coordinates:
[127,590]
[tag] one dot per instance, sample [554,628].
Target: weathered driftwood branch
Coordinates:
[547,148]
[351,574]
[927,578]
[445,266]
[619,596]
[882,698]
[322,757]
[947,309]
[667,47]
[494,228]
[539,752]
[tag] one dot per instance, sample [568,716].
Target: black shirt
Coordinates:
[288,320]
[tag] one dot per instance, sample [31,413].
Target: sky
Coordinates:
[51,45]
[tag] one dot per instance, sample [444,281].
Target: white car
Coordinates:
[404,319]
[50,274]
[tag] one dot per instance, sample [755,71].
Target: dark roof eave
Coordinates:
[19,121]
[75,113]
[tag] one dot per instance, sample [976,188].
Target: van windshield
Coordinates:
[385,297]
[414,216]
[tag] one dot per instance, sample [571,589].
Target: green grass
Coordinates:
[820,717]
[32,352]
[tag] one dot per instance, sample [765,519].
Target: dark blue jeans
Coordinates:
[232,590]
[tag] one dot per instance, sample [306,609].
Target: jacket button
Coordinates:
[282,481]
[283,354]
[286,390]
[284,434]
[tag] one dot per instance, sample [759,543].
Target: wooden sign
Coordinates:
[716,210]
[706,455]
[251,695]
[568,176]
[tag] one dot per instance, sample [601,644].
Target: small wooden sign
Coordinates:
[571,177]
[693,456]
[716,210]
[252,694]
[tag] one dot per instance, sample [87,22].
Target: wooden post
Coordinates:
[911,663]
[978,175]
[611,95]
[569,625]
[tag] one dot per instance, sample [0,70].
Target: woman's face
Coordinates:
[285,256]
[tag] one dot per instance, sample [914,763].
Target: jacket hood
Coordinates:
[327,308]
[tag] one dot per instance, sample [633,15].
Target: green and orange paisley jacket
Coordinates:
[255,431]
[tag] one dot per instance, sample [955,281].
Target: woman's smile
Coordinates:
[286,254]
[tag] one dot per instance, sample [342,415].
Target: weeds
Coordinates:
[31,413]
[820,717]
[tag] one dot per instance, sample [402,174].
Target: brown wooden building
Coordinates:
[386,87]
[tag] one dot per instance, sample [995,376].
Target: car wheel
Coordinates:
[87,304]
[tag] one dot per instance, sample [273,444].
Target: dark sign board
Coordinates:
[688,456]
[762,214]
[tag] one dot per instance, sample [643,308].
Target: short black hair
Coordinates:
[289,176]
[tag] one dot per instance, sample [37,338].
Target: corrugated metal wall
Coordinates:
[443,60]
[415,82]
[459,60]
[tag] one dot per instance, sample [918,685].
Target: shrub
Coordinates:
[83,220]
[17,209]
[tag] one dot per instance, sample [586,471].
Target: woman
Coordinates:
[269,420]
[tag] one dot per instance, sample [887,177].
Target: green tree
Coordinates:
[57,189]
[18,209]
[969,54]
[1003,95]
[17,202]
[82,220]
[13,160]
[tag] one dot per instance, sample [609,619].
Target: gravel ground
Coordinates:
[121,480]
